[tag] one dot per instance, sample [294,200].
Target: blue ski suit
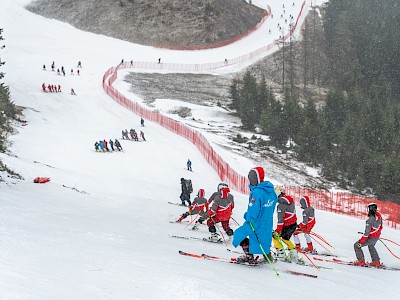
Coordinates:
[260,212]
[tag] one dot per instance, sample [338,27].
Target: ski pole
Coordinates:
[192,221]
[235,221]
[279,239]
[315,240]
[390,241]
[389,250]
[302,252]
[322,239]
[262,249]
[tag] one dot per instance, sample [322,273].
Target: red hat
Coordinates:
[256,175]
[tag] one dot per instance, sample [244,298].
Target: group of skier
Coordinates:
[256,233]
[217,209]
[132,135]
[51,88]
[102,146]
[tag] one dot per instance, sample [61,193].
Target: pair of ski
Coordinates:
[234,261]
[349,263]
[196,239]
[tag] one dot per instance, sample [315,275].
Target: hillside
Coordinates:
[166,22]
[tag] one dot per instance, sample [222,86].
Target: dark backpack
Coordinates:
[189,186]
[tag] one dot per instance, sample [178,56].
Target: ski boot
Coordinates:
[360,262]
[376,264]
[294,257]
[280,254]
[196,226]
[246,258]
[214,237]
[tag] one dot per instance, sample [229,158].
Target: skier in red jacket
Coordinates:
[220,211]
[373,229]
[306,226]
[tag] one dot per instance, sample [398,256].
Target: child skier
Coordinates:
[221,211]
[306,226]
[189,165]
[197,208]
[373,228]
[118,145]
[287,224]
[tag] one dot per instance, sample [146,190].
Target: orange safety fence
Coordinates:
[341,203]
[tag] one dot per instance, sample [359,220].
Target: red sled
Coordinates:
[41,179]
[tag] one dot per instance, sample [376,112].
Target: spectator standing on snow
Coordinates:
[111,144]
[189,165]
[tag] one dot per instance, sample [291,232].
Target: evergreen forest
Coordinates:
[353,134]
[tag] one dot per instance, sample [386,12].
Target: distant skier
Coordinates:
[198,207]
[44,87]
[306,226]
[142,135]
[106,145]
[53,66]
[187,189]
[373,228]
[59,88]
[189,165]
[101,146]
[73,92]
[96,146]
[44,67]
[159,60]
[72,71]
[142,122]
[79,64]
[111,145]
[118,145]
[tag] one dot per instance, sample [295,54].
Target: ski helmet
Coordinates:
[279,191]
[221,186]
[372,208]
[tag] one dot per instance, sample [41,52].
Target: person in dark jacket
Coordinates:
[255,235]
[187,189]
[118,145]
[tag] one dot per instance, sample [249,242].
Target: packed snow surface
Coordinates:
[99,229]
